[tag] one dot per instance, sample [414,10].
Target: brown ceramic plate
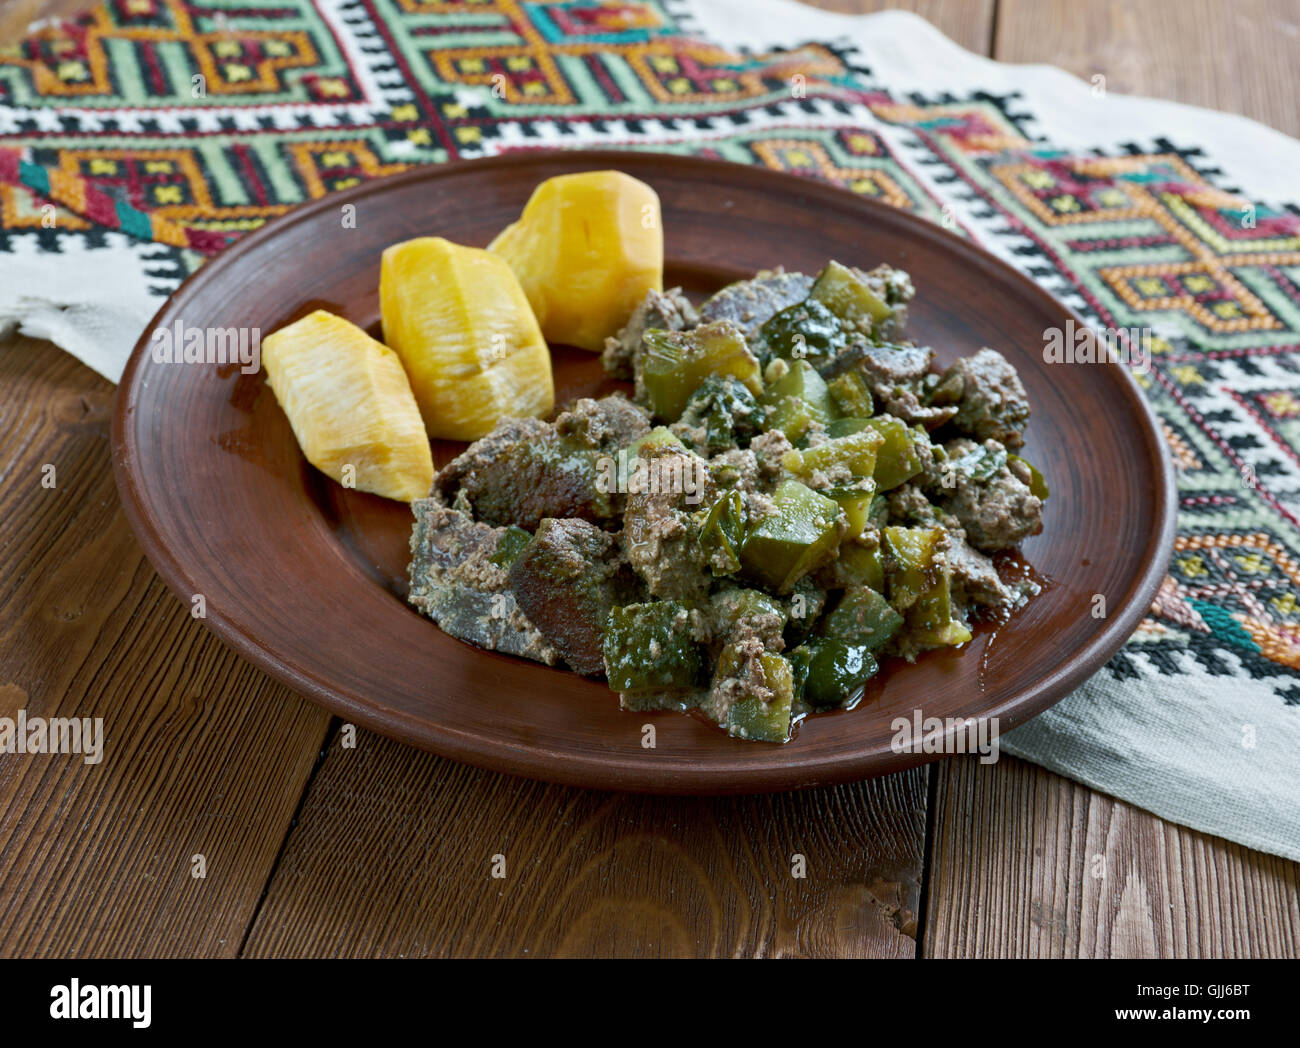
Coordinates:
[307,580]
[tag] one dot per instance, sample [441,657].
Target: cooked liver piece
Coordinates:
[606,424]
[455,583]
[998,512]
[992,401]
[666,310]
[522,472]
[566,581]
[750,304]
[661,530]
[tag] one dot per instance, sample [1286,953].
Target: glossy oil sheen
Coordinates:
[307,580]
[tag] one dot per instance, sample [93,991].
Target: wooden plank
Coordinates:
[1016,849]
[203,755]
[1028,864]
[1239,57]
[17,16]
[392,854]
[968,22]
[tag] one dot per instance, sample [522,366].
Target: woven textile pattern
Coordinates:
[186,124]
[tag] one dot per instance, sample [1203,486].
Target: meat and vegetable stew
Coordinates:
[791,494]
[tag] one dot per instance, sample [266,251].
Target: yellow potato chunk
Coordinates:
[465,332]
[350,406]
[586,250]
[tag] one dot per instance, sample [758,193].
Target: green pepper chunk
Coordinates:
[726,410]
[860,565]
[855,500]
[762,615]
[941,391]
[849,297]
[920,587]
[659,437]
[851,395]
[804,605]
[752,715]
[912,551]
[796,400]
[513,541]
[855,453]
[951,634]
[805,331]
[1037,485]
[981,463]
[676,362]
[793,417]
[833,672]
[878,515]
[930,618]
[842,427]
[798,658]
[862,617]
[650,647]
[723,533]
[783,547]
[899,457]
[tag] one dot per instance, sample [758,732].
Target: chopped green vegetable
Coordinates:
[727,411]
[1037,485]
[842,427]
[833,673]
[847,295]
[921,587]
[723,533]
[650,647]
[805,331]
[797,399]
[805,529]
[878,516]
[760,613]
[804,605]
[942,391]
[864,617]
[851,395]
[860,565]
[676,362]
[854,454]
[899,457]
[659,437]
[513,541]
[855,499]
[912,552]
[762,711]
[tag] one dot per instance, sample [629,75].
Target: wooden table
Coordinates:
[314,848]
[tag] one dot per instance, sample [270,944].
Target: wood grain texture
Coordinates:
[1016,846]
[202,754]
[967,22]
[1240,57]
[17,16]
[1028,864]
[88,856]
[392,856]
